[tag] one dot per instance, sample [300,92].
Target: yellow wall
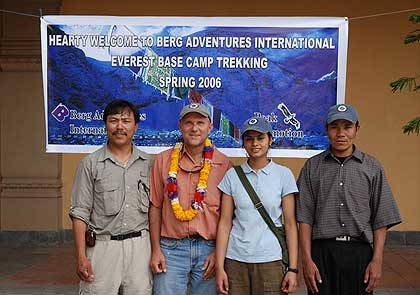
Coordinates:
[30,178]
[376,56]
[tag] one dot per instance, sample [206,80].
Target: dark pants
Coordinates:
[342,266]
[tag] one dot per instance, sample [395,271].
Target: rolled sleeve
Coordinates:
[80,213]
[385,210]
[82,193]
[305,204]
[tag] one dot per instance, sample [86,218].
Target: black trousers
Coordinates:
[342,266]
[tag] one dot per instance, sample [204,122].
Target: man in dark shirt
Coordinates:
[344,208]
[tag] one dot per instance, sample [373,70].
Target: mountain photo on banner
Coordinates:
[83,79]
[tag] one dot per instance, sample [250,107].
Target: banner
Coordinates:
[289,70]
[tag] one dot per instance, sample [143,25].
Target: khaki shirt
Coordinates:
[204,223]
[110,197]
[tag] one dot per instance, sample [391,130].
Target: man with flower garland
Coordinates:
[185,208]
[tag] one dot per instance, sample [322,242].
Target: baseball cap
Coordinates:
[194,108]
[259,124]
[342,112]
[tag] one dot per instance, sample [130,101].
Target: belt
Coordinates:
[194,237]
[119,237]
[189,237]
[348,239]
[126,236]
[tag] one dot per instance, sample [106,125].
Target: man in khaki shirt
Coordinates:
[185,208]
[111,197]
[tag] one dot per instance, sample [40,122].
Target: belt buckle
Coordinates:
[120,237]
[126,236]
[193,237]
[117,238]
[343,238]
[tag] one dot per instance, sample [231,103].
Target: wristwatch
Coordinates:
[295,270]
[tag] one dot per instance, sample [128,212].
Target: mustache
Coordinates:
[119,132]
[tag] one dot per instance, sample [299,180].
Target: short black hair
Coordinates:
[118,106]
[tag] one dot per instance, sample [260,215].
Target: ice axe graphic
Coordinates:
[289,118]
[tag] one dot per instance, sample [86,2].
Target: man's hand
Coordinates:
[373,274]
[157,262]
[208,265]
[84,270]
[222,283]
[290,282]
[311,275]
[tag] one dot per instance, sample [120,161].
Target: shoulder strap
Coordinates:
[264,214]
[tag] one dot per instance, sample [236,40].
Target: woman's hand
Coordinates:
[290,282]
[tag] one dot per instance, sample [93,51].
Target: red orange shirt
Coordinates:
[205,223]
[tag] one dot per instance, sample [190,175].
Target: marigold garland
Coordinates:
[200,191]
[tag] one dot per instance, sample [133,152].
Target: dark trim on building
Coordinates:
[55,238]
[403,238]
[35,238]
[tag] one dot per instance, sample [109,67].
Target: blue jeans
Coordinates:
[184,258]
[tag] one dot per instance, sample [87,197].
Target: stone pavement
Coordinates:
[47,271]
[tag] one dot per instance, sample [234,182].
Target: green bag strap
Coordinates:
[259,206]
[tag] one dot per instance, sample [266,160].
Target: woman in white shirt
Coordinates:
[248,254]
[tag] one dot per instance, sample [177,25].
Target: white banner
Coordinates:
[288,69]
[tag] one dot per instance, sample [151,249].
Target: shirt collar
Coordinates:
[105,154]
[357,154]
[184,153]
[266,170]
[216,159]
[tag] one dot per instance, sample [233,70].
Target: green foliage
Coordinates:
[412,37]
[410,83]
[412,126]
[415,18]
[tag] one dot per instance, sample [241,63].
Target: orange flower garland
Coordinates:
[201,190]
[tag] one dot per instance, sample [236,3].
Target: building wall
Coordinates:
[30,179]
[376,56]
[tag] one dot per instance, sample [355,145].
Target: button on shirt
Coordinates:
[350,198]
[110,197]
[204,223]
[250,239]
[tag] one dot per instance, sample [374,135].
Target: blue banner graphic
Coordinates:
[288,70]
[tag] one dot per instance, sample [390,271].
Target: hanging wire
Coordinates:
[382,14]
[22,13]
[351,18]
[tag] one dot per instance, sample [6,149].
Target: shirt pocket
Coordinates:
[359,194]
[108,197]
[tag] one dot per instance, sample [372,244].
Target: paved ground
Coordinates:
[47,271]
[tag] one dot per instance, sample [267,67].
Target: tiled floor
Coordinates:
[47,271]
[401,268]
